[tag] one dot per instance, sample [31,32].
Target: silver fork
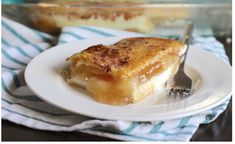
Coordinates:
[180,85]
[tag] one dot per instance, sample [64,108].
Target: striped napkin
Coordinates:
[19,105]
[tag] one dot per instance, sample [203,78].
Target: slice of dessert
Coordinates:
[126,71]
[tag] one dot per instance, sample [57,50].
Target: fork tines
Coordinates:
[179,92]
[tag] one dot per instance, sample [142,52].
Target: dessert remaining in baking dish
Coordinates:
[126,71]
[133,19]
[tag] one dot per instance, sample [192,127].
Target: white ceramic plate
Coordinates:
[211,77]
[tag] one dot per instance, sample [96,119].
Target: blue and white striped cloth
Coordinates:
[19,105]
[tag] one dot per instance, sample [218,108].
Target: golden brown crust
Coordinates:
[128,56]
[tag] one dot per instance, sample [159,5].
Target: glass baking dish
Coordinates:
[156,17]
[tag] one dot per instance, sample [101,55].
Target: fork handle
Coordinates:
[187,40]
